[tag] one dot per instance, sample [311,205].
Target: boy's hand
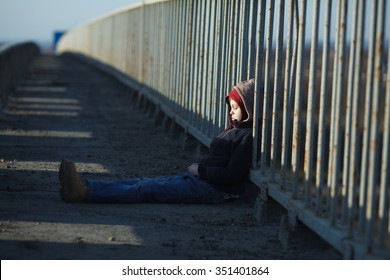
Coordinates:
[193,169]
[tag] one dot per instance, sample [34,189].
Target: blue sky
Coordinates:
[36,20]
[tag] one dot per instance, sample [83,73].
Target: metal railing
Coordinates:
[322,108]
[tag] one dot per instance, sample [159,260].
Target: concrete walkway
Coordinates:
[66,109]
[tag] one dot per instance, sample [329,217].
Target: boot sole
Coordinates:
[61,177]
[67,174]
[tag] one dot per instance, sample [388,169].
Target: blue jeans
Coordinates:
[174,189]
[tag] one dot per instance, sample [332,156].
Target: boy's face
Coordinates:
[235,110]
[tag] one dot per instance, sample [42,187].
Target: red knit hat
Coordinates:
[236,97]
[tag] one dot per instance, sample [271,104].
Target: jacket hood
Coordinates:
[246,91]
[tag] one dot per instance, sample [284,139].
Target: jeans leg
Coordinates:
[174,189]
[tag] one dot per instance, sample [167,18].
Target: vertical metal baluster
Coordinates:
[103,39]
[296,150]
[123,46]
[235,39]
[237,42]
[277,90]
[136,42]
[186,43]
[350,150]
[245,39]
[154,51]
[153,33]
[129,46]
[374,167]
[213,60]
[267,83]
[199,84]
[339,189]
[219,81]
[226,87]
[181,43]
[338,95]
[242,40]
[252,39]
[384,191]
[187,86]
[194,90]
[223,76]
[154,78]
[367,123]
[153,82]
[292,83]
[98,39]
[148,54]
[165,59]
[286,95]
[162,57]
[168,63]
[311,107]
[230,49]
[203,84]
[108,42]
[101,50]
[145,54]
[114,50]
[190,58]
[158,52]
[175,53]
[320,172]
[114,38]
[333,99]
[142,38]
[150,68]
[122,42]
[258,81]
[111,45]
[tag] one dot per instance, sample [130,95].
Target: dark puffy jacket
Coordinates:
[230,155]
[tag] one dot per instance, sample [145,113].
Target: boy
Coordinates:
[214,179]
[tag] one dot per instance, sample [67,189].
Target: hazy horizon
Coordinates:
[24,20]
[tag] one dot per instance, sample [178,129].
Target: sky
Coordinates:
[36,20]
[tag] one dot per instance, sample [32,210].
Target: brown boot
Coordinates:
[73,187]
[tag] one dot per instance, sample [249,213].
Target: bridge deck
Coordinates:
[66,109]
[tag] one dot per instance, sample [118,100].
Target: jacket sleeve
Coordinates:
[237,167]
